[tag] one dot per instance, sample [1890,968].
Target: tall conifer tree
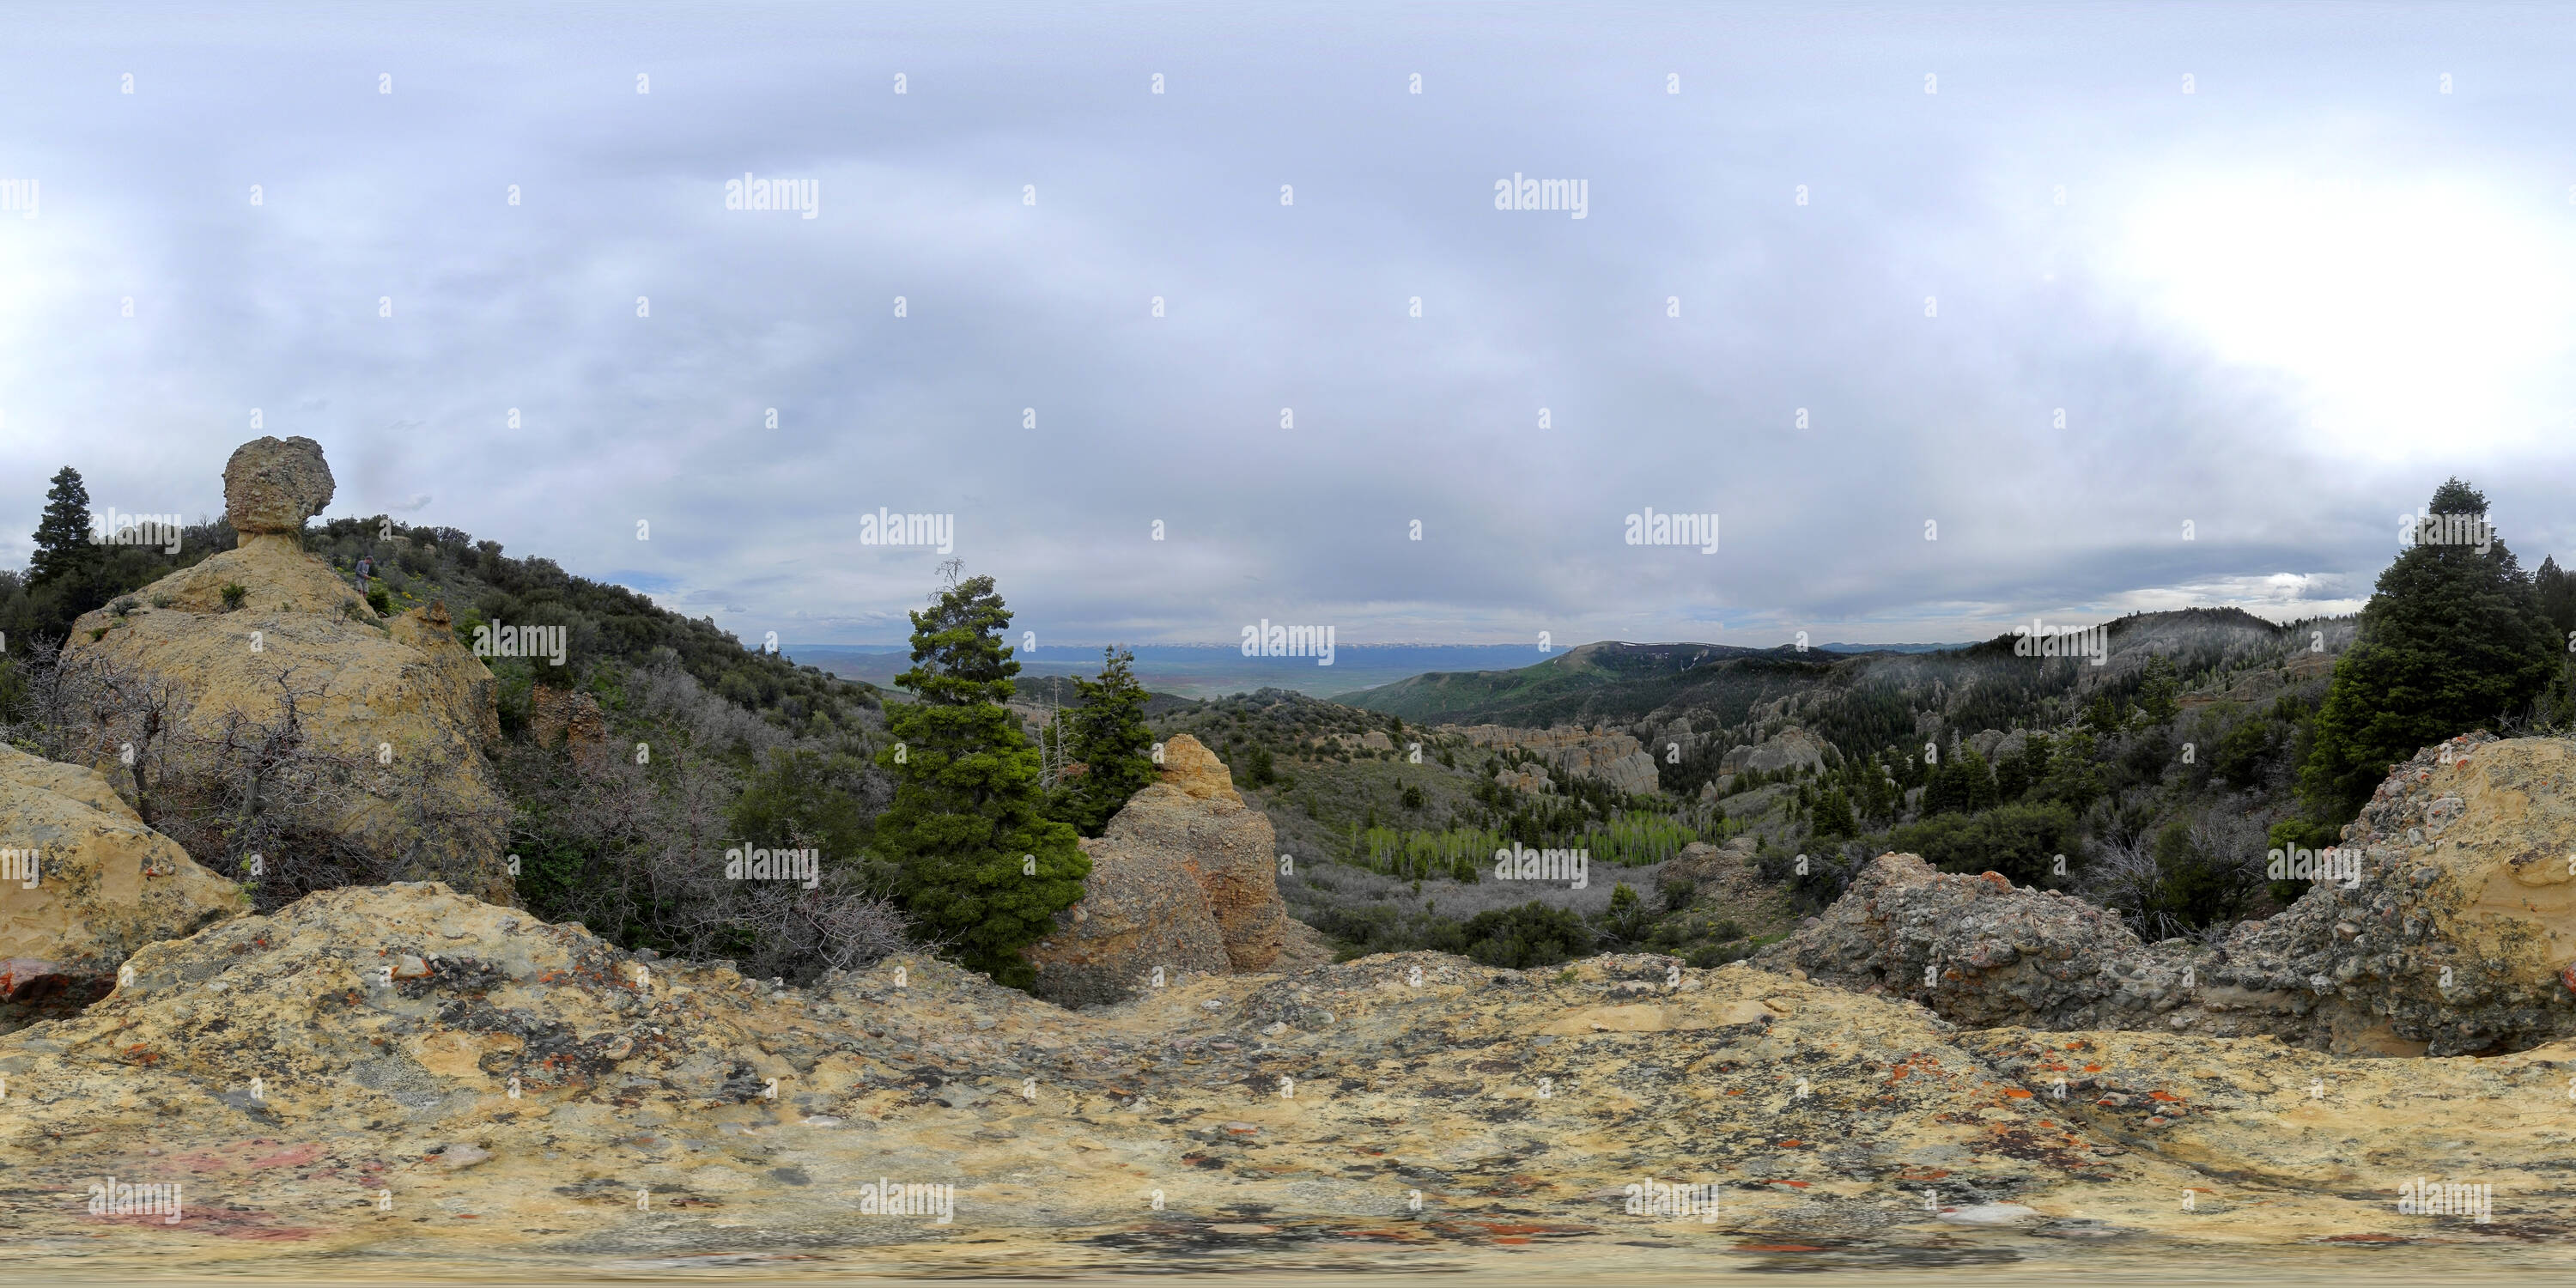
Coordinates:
[978,864]
[2453,640]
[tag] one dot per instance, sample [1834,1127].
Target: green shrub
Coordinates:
[804,797]
[1532,934]
[1677,893]
[2020,841]
[1628,919]
[2198,889]
[234,592]
[2299,832]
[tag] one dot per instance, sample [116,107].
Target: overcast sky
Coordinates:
[2282,268]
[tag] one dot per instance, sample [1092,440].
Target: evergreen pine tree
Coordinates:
[1111,741]
[2159,691]
[63,547]
[1945,788]
[2012,775]
[967,823]
[1833,816]
[1976,782]
[2452,640]
[2557,593]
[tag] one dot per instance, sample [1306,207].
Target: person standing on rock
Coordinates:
[366,569]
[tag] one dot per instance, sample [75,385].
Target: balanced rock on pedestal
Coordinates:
[398,700]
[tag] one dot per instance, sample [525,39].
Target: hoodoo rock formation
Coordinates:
[272,485]
[244,632]
[1185,877]
[1791,748]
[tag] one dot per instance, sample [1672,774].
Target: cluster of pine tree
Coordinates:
[984,854]
[2454,639]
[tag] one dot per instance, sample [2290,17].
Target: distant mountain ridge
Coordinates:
[1859,701]
[1199,670]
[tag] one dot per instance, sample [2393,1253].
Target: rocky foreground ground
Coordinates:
[335,1081]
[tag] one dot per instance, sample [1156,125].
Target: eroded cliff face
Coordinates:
[1614,758]
[337,1078]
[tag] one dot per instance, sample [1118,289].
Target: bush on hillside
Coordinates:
[1532,934]
[2020,841]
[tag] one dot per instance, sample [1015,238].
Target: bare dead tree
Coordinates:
[2121,875]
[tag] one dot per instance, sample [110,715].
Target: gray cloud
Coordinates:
[367,198]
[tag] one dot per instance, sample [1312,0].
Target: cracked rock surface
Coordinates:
[336,1079]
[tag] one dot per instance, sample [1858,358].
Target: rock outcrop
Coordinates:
[1142,910]
[335,1080]
[1183,849]
[1614,758]
[2457,934]
[275,484]
[557,716]
[2454,935]
[399,696]
[84,885]
[1994,746]
[1708,864]
[1791,748]
[1976,949]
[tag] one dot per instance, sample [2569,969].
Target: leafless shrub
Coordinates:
[2121,875]
[2195,891]
[669,695]
[636,852]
